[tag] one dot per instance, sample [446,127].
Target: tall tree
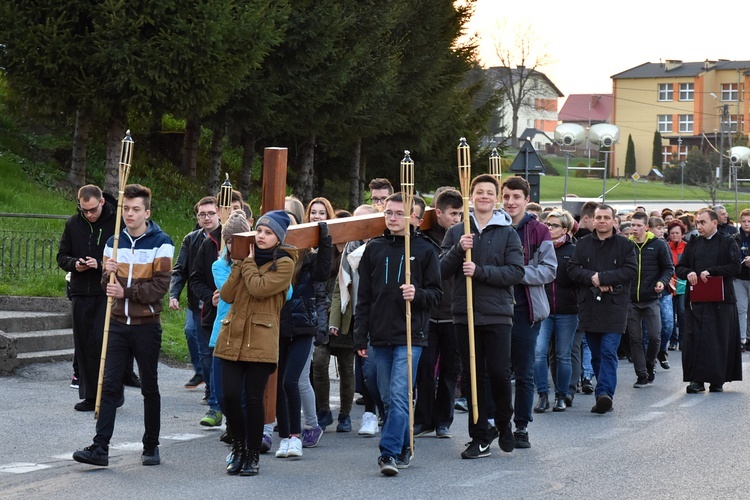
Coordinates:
[521,56]
[656,156]
[630,166]
[117,59]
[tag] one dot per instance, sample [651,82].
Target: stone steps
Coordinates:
[34,330]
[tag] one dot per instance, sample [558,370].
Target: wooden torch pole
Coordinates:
[464,175]
[126,156]
[407,187]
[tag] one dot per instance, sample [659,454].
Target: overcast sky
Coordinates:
[591,41]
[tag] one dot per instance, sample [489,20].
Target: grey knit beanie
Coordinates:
[237,223]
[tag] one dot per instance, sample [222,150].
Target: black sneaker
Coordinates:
[641,382]
[404,458]
[151,457]
[476,449]
[387,465]
[132,380]
[85,405]
[92,455]
[587,387]
[521,437]
[651,376]
[194,382]
[507,440]
[663,361]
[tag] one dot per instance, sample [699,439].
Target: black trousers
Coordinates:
[143,342]
[492,351]
[247,426]
[88,328]
[435,399]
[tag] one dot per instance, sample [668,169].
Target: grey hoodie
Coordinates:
[499,266]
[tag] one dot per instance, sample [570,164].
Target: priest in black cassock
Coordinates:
[711,343]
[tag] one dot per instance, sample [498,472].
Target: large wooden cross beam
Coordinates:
[306,235]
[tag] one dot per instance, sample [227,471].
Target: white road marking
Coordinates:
[692,402]
[22,467]
[671,399]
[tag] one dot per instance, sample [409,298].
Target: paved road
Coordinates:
[659,442]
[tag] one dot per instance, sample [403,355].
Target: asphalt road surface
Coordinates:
[659,442]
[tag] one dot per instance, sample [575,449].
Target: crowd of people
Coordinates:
[558,302]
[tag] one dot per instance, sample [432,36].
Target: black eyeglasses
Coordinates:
[553,225]
[85,211]
[206,215]
[378,201]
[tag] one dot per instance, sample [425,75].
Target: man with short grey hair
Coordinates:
[725,225]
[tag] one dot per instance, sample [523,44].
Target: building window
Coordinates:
[664,123]
[682,152]
[666,92]
[686,91]
[666,154]
[686,123]
[732,123]
[729,92]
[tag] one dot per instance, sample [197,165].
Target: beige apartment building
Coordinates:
[689,103]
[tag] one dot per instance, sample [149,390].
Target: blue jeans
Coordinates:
[563,327]
[667,320]
[522,346]
[393,385]
[604,359]
[588,369]
[205,353]
[370,378]
[192,342]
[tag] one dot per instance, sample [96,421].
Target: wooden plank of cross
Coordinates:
[306,235]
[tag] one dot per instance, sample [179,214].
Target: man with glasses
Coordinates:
[380,189]
[80,253]
[207,213]
[381,321]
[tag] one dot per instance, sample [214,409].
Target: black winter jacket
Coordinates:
[562,292]
[184,265]
[306,313]
[380,313]
[498,257]
[441,312]
[202,278]
[614,259]
[654,261]
[81,239]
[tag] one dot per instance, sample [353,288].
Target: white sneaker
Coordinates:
[369,424]
[283,450]
[295,447]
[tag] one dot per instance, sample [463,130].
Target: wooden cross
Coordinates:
[306,235]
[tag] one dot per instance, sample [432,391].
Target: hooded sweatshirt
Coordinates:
[499,263]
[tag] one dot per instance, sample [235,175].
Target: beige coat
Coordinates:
[250,331]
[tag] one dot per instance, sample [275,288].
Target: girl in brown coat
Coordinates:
[248,342]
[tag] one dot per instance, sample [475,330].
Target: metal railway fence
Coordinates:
[26,251]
